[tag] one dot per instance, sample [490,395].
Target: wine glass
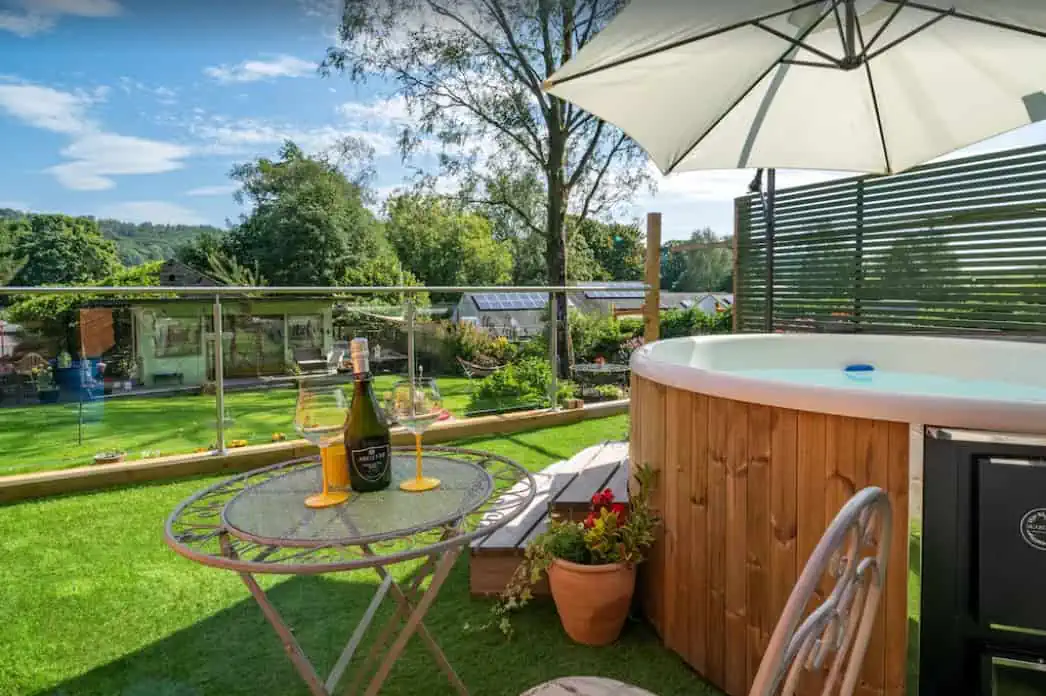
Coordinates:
[320,418]
[416,404]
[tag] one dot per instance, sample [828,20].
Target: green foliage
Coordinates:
[137,243]
[612,532]
[694,322]
[600,336]
[10,262]
[196,252]
[610,392]
[617,249]
[443,245]
[60,250]
[305,210]
[57,308]
[227,270]
[524,382]
[708,269]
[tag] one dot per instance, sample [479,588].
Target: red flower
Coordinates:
[603,498]
[590,521]
[621,510]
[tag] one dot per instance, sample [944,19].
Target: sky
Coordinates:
[138,109]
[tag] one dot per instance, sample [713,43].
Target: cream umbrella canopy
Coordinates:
[849,85]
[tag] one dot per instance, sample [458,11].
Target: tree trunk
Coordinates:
[556,248]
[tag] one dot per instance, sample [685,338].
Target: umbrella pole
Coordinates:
[768,215]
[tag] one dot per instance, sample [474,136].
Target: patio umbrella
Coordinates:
[849,85]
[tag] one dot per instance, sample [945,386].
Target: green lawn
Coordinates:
[95,603]
[46,437]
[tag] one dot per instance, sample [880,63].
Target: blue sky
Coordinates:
[138,109]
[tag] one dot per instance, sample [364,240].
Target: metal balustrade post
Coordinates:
[219,377]
[553,355]
[410,310]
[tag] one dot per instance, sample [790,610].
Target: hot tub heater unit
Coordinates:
[982,618]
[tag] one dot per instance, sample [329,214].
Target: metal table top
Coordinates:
[604,368]
[268,529]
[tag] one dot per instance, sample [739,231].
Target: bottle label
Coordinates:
[370,459]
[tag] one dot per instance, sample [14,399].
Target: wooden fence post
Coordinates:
[652,306]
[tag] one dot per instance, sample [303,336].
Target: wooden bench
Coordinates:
[564,491]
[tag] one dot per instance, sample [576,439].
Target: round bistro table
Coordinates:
[257,522]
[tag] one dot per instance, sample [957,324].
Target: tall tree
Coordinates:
[698,264]
[308,225]
[61,250]
[618,249]
[471,72]
[444,245]
[10,262]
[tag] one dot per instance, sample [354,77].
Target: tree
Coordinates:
[618,249]
[471,72]
[443,245]
[705,266]
[10,262]
[61,250]
[308,226]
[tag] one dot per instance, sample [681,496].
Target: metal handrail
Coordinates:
[233,290]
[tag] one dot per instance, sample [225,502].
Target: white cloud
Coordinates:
[390,111]
[254,70]
[152,211]
[94,155]
[163,95]
[219,190]
[97,156]
[46,108]
[36,16]
[253,136]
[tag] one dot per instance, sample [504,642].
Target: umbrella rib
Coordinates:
[919,29]
[886,25]
[549,83]
[974,18]
[875,100]
[726,112]
[798,43]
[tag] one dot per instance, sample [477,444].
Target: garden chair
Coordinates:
[853,552]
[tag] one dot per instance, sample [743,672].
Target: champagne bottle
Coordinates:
[366,432]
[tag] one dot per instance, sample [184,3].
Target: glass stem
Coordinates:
[417,451]
[324,453]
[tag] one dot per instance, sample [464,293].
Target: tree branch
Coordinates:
[582,163]
[599,177]
[511,206]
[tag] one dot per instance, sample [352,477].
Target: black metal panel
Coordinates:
[1012,536]
[960,608]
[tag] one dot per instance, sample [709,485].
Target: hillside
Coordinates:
[140,242]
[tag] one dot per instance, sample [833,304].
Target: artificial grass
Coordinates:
[95,603]
[33,438]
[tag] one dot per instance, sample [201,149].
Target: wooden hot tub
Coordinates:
[754,465]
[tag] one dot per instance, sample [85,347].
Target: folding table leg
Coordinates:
[290,643]
[443,568]
[426,637]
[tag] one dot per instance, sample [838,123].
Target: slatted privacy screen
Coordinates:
[956,247]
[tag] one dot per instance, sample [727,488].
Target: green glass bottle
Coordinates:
[366,431]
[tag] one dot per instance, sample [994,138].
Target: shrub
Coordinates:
[595,335]
[523,383]
[694,322]
[610,392]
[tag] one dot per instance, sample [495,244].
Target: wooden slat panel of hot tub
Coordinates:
[746,492]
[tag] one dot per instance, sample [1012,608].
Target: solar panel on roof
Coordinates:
[503,301]
[616,294]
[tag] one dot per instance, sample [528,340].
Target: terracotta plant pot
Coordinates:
[592,601]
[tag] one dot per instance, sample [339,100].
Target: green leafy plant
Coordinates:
[525,382]
[610,392]
[612,532]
